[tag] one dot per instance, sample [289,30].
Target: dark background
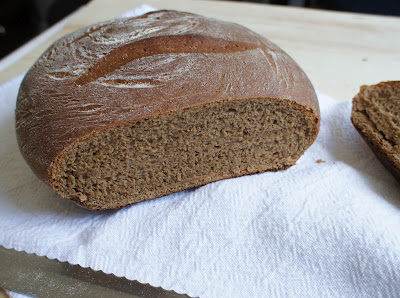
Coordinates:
[20,20]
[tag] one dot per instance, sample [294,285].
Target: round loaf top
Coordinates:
[135,68]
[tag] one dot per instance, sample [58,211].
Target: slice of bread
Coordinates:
[376,116]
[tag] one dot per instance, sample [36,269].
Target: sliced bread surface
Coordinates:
[376,116]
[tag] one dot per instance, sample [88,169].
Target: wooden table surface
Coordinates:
[338,51]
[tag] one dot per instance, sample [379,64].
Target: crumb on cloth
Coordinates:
[320,161]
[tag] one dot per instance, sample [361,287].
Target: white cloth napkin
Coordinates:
[318,229]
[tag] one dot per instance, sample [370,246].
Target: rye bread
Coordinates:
[133,109]
[376,116]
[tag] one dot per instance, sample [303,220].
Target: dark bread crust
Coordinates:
[383,148]
[384,157]
[122,71]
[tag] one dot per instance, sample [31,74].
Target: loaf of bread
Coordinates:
[376,116]
[133,109]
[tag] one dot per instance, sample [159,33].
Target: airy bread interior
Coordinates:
[149,158]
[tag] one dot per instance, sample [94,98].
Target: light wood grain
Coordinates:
[338,51]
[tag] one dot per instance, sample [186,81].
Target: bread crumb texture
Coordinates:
[376,116]
[146,159]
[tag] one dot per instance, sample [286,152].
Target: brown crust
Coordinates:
[374,143]
[383,156]
[131,69]
[385,83]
